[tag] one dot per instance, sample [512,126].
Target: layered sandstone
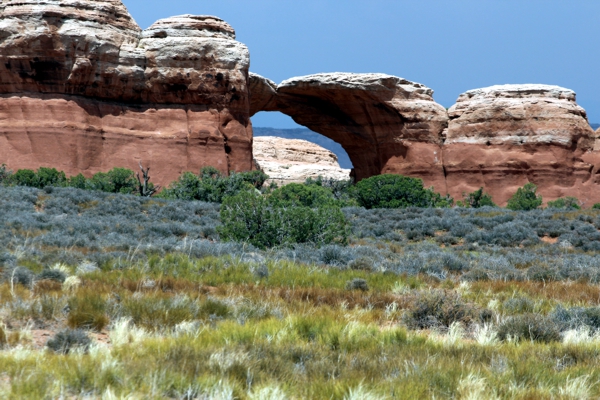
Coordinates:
[84,89]
[498,138]
[385,123]
[502,137]
[294,160]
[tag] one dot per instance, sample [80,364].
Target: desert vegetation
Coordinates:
[295,292]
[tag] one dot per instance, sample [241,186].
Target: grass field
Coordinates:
[114,296]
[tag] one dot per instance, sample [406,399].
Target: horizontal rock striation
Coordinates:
[502,137]
[83,88]
[294,160]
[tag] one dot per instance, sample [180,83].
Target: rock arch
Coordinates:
[386,124]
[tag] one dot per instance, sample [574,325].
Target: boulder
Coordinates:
[295,160]
[385,123]
[502,137]
[84,89]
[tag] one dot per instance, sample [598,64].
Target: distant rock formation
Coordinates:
[307,134]
[294,160]
[84,89]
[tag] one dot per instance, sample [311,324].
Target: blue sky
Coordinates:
[450,46]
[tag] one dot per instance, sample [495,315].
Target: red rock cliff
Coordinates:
[84,89]
[498,138]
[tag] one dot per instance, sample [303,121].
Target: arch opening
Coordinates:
[289,152]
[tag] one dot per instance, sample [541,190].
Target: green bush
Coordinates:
[252,218]
[24,177]
[50,177]
[397,191]
[596,206]
[525,198]
[211,186]
[295,194]
[78,181]
[565,202]
[344,191]
[39,179]
[477,199]
[117,180]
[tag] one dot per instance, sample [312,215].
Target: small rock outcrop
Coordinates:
[84,89]
[295,160]
[386,124]
[502,137]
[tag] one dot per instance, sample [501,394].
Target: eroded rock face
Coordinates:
[83,88]
[502,137]
[498,138]
[385,123]
[295,160]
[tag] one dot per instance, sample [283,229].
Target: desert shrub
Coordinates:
[52,274]
[518,305]
[117,180]
[211,186]
[250,217]
[565,202]
[50,177]
[542,273]
[334,255]
[39,179]
[357,284]
[24,177]
[78,181]
[342,190]
[87,310]
[525,198]
[596,206]
[361,263]
[447,240]
[476,199]
[577,317]
[64,341]
[461,228]
[439,308]
[295,194]
[507,234]
[397,191]
[451,262]
[5,174]
[19,275]
[533,327]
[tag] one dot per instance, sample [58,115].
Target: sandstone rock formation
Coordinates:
[294,160]
[502,137]
[385,123]
[499,137]
[84,89]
